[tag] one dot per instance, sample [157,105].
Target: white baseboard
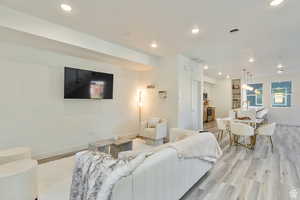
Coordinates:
[55,153]
[71,149]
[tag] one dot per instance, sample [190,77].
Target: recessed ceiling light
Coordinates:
[280,71]
[279,66]
[275,3]
[234,30]
[66,7]
[228,77]
[251,60]
[195,30]
[205,67]
[154,45]
[220,73]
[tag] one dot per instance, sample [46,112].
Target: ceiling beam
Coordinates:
[25,23]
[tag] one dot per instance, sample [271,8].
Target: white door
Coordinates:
[196,104]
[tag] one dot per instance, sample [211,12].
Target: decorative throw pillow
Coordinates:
[153,122]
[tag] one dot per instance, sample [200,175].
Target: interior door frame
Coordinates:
[197,105]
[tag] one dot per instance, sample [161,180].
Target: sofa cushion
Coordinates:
[18,180]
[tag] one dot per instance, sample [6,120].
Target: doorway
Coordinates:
[209,110]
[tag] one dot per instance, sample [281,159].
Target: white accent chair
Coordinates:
[18,174]
[154,131]
[223,128]
[244,130]
[267,130]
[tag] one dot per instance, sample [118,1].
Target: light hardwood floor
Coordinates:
[243,174]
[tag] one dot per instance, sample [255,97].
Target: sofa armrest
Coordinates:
[14,154]
[20,176]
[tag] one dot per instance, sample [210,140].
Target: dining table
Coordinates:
[249,121]
[254,123]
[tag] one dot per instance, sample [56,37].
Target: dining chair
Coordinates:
[242,130]
[251,114]
[232,114]
[263,114]
[222,126]
[267,130]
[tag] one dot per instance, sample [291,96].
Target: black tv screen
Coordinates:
[84,84]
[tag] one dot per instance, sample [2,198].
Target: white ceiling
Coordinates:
[271,35]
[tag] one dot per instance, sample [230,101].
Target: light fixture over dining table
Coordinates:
[246,77]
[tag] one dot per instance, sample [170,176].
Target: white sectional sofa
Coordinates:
[163,176]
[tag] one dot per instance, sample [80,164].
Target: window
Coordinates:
[255,96]
[281,94]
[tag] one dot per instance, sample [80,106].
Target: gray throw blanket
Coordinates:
[202,146]
[95,174]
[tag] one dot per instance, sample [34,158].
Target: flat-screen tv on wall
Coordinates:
[84,84]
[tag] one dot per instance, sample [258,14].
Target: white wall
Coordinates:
[290,115]
[175,75]
[33,111]
[210,80]
[163,77]
[220,97]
